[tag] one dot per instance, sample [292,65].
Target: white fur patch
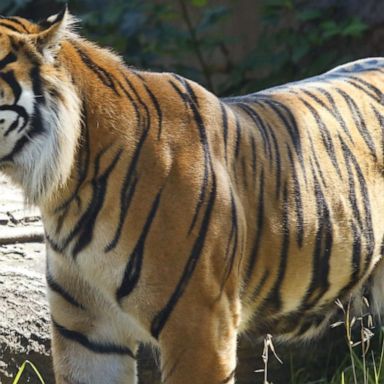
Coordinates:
[46,161]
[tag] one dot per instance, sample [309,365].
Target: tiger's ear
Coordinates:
[53,31]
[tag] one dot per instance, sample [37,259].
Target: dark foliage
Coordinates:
[299,38]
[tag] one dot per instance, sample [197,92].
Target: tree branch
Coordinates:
[196,45]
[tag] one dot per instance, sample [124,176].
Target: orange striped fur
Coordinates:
[179,219]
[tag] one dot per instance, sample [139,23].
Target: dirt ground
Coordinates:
[24,316]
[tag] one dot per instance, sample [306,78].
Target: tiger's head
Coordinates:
[39,106]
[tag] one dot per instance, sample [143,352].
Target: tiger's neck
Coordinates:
[112,119]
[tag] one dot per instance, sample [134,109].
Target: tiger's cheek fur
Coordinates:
[47,160]
[14,118]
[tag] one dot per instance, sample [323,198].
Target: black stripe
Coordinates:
[82,165]
[259,231]
[253,152]
[37,85]
[127,191]
[133,268]
[260,286]
[86,222]
[184,96]
[274,298]
[238,136]
[18,22]
[53,244]
[359,122]
[56,287]
[231,249]
[158,109]
[352,189]
[21,112]
[325,135]
[13,126]
[261,128]
[140,101]
[8,59]
[186,84]
[367,228]
[105,77]
[322,250]
[333,110]
[289,122]
[244,161]
[37,125]
[277,162]
[130,98]
[356,254]
[85,226]
[17,148]
[130,179]
[380,119]
[96,347]
[161,317]
[188,100]
[382,247]
[126,196]
[200,199]
[305,323]
[298,202]
[10,27]
[10,79]
[224,117]
[316,161]
[369,89]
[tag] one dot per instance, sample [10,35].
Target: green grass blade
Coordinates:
[21,370]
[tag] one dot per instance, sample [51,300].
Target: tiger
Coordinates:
[182,220]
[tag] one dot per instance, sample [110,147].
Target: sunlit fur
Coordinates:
[179,219]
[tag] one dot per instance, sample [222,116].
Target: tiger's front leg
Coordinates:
[77,359]
[91,342]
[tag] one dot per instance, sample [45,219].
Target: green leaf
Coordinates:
[309,15]
[354,29]
[199,3]
[330,29]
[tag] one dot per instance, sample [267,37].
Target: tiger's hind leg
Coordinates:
[198,345]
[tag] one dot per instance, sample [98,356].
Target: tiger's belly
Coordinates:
[299,303]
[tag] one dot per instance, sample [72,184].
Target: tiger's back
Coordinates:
[179,219]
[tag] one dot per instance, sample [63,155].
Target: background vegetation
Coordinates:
[294,39]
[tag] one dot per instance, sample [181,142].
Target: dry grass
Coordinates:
[363,361]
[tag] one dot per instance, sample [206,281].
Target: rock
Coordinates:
[24,324]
